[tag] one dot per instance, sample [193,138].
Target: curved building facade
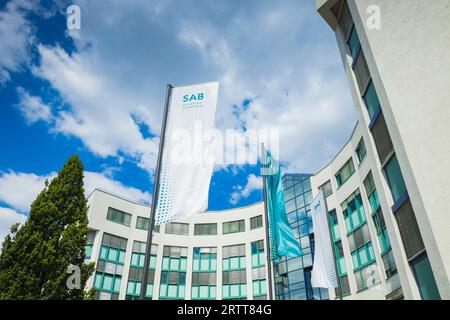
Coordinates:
[393,54]
[211,255]
[364,237]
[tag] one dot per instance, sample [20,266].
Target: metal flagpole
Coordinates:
[332,247]
[151,224]
[266,215]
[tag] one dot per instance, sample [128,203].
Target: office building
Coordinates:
[387,188]
[293,275]
[212,255]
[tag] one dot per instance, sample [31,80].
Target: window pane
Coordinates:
[107,282]
[98,281]
[342,266]
[363,255]
[234,290]
[395,178]
[353,43]
[130,287]
[117,284]
[355,260]
[103,252]
[183,264]
[113,254]
[121,258]
[361,70]
[346,21]
[371,100]
[242,262]
[174,264]
[226,291]
[172,291]
[361,151]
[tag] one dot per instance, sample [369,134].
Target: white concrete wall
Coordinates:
[100,201]
[410,65]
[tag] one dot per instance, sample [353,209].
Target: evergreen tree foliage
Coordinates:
[36,257]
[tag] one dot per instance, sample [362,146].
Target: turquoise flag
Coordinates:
[282,239]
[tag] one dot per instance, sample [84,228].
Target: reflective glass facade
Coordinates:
[293,275]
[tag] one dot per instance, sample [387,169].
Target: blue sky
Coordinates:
[98,92]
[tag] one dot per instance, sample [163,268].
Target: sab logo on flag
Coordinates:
[193,97]
[194,100]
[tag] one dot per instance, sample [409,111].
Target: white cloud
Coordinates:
[104,117]
[290,69]
[283,57]
[17,37]
[33,108]
[19,190]
[254,183]
[93,180]
[8,217]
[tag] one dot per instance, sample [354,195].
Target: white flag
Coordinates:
[188,157]
[324,271]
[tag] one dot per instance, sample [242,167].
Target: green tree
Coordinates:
[35,259]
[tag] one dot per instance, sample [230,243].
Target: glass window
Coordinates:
[233,226]
[113,254]
[290,205]
[353,211]
[339,252]
[142,223]
[256,222]
[107,282]
[204,259]
[327,189]
[300,202]
[345,172]
[425,278]
[258,257]
[289,194]
[118,216]
[116,287]
[371,100]
[172,285]
[308,197]
[353,43]
[205,229]
[298,189]
[91,237]
[113,248]
[371,193]
[361,150]
[334,225]
[367,277]
[306,185]
[177,228]
[234,284]
[233,257]
[346,21]
[389,264]
[344,286]
[361,71]
[296,276]
[395,178]
[88,251]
